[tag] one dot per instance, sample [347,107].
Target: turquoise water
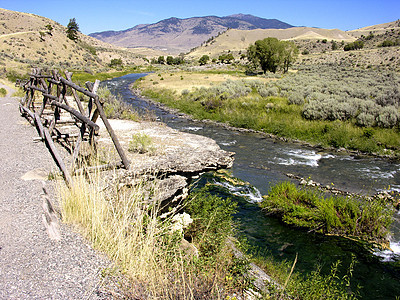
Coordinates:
[262,162]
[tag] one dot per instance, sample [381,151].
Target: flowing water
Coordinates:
[262,161]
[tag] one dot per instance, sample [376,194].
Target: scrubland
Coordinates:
[326,105]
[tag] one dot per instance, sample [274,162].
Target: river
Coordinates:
[262,161]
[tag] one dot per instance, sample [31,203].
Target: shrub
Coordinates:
[114,107]
[346,216]
[3,92]
[212,223]
[141,143]
[388,117]
[354,46]
[365,119]
[116,62]
[296,98]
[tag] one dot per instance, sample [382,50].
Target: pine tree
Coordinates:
[72,29]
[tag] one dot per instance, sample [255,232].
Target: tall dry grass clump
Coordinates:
[123,224]
[146,241]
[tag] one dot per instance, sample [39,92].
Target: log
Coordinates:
[51,97]
[100,168]
[40,76]
[93,89]
[48,87]
[57,82]
[57,157]
[114,138]
[77,114]
[27,111]
[59,136]
[78,88]
[77,100]
[39,125]
[36,88]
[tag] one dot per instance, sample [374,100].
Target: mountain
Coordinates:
[180,35]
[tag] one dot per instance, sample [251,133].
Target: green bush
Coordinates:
[354,46]
[212,221]
[360,218]
[141,143]
[116,62]
[3,92]
[114,107]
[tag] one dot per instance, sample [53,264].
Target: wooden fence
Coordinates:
[46,116]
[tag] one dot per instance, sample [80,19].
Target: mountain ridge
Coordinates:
[180,35]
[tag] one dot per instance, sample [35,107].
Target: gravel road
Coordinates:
[32,266]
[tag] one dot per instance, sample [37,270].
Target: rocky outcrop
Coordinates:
[170,159]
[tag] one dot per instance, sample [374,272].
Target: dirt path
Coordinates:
[32,266]
[15,33]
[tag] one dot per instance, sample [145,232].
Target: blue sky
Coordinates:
[100,15]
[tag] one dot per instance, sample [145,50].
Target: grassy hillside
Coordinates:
[238,40]
[375,29]
[28,40]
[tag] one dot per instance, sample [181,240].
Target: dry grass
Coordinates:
[179,81]
[128,229]
[25,40]
[237,41]
[153,259]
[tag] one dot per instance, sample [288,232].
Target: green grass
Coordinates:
[80,76]
[359,218]
[314,285]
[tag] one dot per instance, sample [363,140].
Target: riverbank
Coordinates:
[268,163]
[137,91]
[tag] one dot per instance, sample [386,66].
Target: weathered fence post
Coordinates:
[86,118]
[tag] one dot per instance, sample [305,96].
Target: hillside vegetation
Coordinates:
[28,40]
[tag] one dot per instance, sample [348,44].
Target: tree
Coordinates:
[289,53]
[204,60]
[116,62]
[178,60]
[72,29]
[226,58]
[271,54]
[170,60]
[161,60]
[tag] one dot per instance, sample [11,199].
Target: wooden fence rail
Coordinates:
[46,117]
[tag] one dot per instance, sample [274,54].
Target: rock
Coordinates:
[189,248]
[176,157]
[36,174]
[176,152]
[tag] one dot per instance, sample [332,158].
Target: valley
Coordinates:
[330,116]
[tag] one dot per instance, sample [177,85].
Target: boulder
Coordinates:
[172,160]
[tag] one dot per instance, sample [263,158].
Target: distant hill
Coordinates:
[180,35]
[376,29]
[28,40]
[239,40]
